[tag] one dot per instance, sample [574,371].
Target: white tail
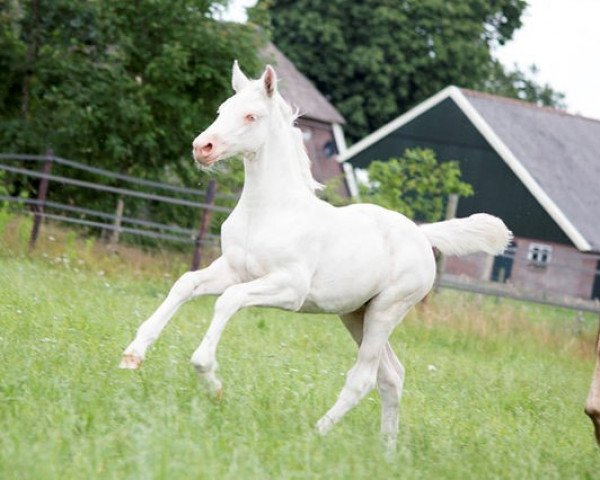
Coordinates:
[460,236]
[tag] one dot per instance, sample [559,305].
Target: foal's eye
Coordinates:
[250,118]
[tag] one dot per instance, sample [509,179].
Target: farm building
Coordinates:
[320,122]
[535,167]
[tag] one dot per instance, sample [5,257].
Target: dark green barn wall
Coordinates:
[446,130]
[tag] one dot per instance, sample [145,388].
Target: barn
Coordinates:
[320,122]
[536,167]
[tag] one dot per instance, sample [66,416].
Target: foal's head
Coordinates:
[244,120]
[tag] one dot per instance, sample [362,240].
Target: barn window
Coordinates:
[539,254]
[329,149]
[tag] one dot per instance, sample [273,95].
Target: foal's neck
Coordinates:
[275,171]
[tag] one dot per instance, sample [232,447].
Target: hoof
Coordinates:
[130,362]
[324,425]
[389,445]
[219,394]
[215,390]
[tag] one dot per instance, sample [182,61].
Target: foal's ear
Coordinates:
[269,80]
[238,79]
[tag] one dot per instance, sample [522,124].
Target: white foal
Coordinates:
[283,247]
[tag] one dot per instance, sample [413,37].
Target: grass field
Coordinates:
[505,399]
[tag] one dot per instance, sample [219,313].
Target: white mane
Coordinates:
[290,115]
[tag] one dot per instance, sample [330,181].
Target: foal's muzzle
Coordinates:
[207,149]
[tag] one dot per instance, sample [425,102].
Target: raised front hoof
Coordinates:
[215,389]
[324,425]
[218,395]
[213,385]
[130,362]
[389,446]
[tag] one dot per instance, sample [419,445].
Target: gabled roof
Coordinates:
[299,91]
[555,154]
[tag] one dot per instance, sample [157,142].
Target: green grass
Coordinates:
[505,401]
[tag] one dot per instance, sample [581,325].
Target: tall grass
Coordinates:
[83,251]
[493,389]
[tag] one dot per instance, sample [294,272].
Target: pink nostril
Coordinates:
[206,149]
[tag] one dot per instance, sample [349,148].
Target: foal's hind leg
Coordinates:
[382,314]
[390,378]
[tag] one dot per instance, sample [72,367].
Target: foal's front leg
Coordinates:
[274,290]
[212,280]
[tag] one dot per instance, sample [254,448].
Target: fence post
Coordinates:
[204,223]
[114,237]
[41,199]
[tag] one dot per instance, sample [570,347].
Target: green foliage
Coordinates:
[377,58]
[415,184]
[332,192]
[229,175]
[522,85]
[120,85]
[124,85]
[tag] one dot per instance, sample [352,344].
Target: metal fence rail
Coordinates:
[106,188]
[96,213]
[500,291]
[108,216]
[117,176]
[113,222]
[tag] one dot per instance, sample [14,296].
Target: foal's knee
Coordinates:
[359,383]
[184,287]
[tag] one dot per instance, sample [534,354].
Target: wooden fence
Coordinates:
[115,222]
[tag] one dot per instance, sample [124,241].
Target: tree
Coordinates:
[125,85]
[415,184]
[377,58]
[519,84]
[120,85]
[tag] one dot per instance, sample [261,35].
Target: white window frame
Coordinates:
[539,254]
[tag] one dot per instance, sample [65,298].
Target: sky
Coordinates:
[561,37]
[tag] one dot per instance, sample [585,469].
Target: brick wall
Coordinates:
[568,272]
